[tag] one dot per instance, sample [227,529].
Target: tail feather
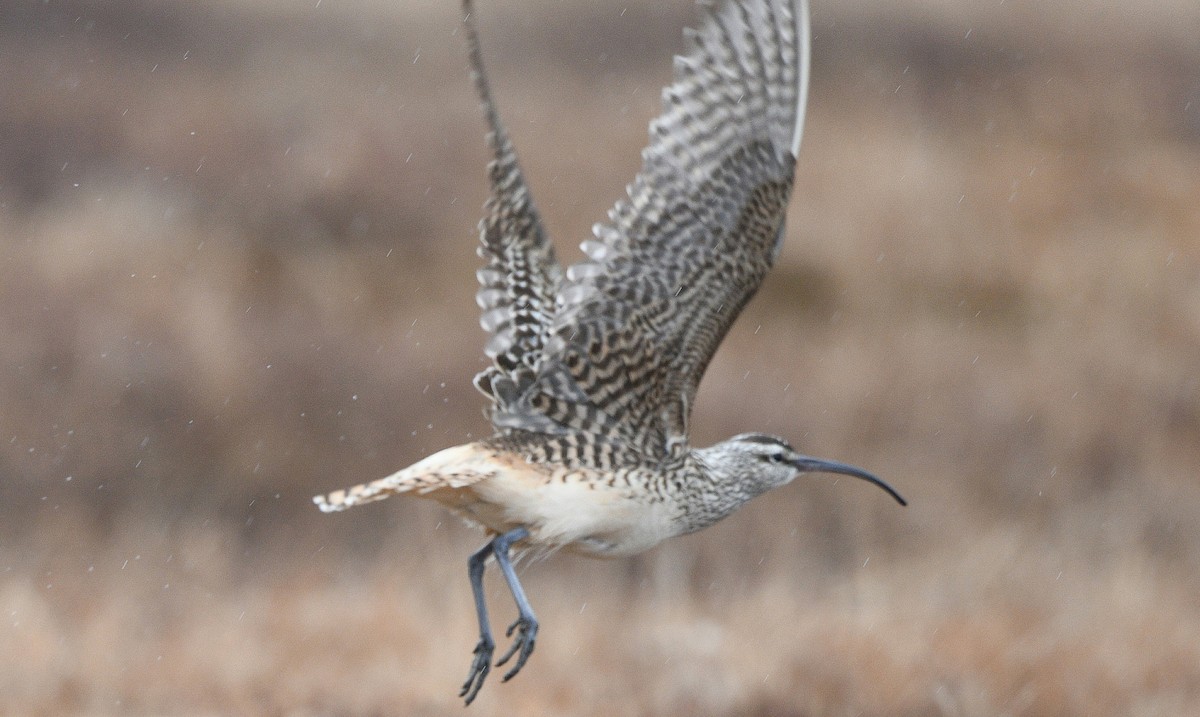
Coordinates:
[451,469]
[359,494]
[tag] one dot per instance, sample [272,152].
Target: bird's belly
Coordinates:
[573,513]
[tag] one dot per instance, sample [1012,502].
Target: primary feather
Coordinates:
[613,349]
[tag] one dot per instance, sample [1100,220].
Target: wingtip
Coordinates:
[804,38]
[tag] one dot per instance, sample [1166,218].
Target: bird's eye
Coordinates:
[775,458]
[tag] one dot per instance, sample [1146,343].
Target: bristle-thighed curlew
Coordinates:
[595,368]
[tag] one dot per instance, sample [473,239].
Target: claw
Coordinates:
[526,629]
[480,666]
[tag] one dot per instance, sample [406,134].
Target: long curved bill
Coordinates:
[809,464]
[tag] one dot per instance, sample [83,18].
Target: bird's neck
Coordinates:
[711,491]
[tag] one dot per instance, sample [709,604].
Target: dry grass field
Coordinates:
[236,269]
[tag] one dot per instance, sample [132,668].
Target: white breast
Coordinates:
[576,514]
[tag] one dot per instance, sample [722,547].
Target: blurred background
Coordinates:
[236,269]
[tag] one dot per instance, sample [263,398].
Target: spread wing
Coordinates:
[521,277]
[634,326]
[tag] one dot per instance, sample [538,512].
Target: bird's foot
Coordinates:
[480,667]
[526,629]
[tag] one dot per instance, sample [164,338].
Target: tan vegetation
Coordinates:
[236,256]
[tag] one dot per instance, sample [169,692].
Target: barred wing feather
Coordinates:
[634,326]
[521,276]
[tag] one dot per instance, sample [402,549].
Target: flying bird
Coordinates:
[594,368]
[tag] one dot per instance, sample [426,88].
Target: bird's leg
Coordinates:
[526,625]
[482,664]
[483,651]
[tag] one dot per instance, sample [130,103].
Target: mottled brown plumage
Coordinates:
[595,368]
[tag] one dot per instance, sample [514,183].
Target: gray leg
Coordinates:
[483,651]
[526,622]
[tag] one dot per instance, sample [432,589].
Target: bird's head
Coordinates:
[765,462]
